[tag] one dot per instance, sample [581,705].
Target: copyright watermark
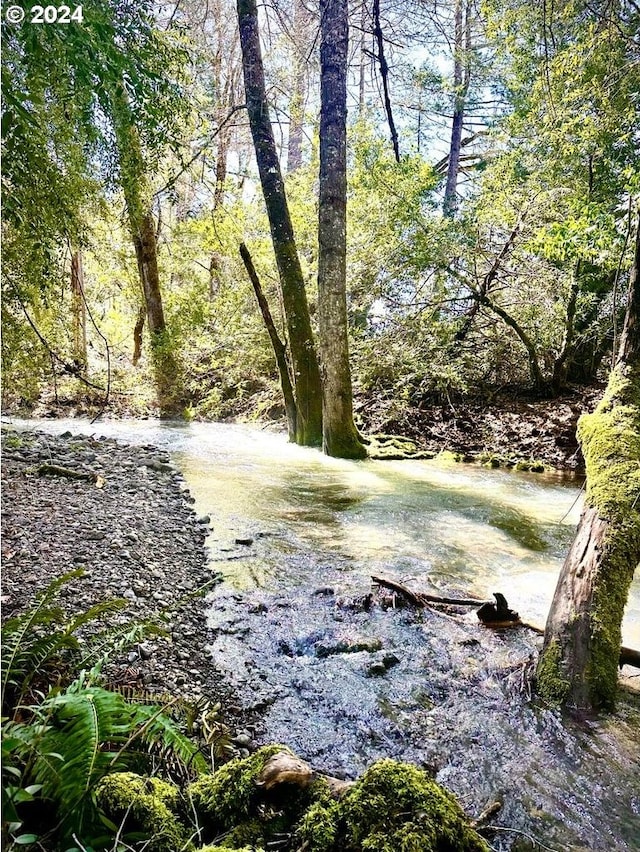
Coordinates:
[15,14]
[44,15]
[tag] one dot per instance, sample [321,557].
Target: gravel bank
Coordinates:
[130,527]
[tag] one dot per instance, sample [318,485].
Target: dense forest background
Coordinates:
[493,178]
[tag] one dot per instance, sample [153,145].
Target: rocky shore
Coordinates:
[129,526]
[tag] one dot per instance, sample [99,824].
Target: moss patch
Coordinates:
[144,805]
[610,440]
[225,798]
[394,807]
[552,686]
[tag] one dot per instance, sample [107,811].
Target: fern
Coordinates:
[65,744]
[87,732]
[23,647]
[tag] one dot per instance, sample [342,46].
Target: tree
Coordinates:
[302,42]
[461,80]
[340,437]
[578,665]
[70,96]
[306,372]
[138,198]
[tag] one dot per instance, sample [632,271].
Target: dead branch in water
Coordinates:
[497,615]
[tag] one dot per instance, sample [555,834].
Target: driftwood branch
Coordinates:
[490,614]
[66,472]
[419,599]
[286,768]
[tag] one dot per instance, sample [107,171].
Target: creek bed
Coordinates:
[344,680]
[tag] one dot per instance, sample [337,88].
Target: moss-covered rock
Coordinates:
[225,798]
[394,807]
[144,805]
[449,456]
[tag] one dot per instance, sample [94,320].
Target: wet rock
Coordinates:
[324,591]
[346,646]
[376,668]
[244,541]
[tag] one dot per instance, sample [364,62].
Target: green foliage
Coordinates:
[58,741]
[59,155]
[43,645]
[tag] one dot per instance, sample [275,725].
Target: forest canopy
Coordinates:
[491,180]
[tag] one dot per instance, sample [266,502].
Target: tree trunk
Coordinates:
[142,226]
[279,349]
[461,79]
[384,73]
[561,363]
[306,371]
[340,437]
[301,20]
[578,664]
[78,311]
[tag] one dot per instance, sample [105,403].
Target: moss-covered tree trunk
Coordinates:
[306,371]
[340,437]
[137,196]
[578,665]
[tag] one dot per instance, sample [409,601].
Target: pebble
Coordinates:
[137,537]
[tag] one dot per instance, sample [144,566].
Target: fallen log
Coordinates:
[496,615]
[66,472]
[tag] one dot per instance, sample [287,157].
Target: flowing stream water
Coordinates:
[345,679]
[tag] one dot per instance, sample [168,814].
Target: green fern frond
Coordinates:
[96,611]
[83,728]
[95,732]
[110,642]
[161,728]
[21,632]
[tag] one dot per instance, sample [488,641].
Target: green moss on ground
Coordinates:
[144,805]
[225,798]
[393,807]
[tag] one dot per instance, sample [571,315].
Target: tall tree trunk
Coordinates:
[301,46]
[142,226]
[562,362]
[364,58]
[579,660]
[340,437]
[308,388]
[461,79]
[78,311]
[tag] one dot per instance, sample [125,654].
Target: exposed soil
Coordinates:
[509,427]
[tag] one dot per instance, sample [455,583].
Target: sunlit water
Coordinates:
[422,522]
[317,524]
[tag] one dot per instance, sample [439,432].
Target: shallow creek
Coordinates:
[297,536]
